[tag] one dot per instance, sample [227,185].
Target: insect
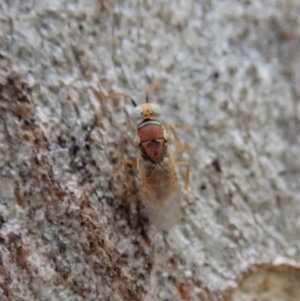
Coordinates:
[156,165]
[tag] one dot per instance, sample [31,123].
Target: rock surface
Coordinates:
[230,70]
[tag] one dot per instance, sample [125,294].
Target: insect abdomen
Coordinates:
[158,181]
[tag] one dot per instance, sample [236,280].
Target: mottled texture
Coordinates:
[276,282]
[231,70]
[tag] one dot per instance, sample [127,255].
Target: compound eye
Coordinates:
[137,113]
[156,110]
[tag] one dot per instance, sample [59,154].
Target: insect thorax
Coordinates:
[152,140]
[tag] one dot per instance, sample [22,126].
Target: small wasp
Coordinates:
[156,165]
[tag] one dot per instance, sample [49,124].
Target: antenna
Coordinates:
[151,87]
[133,102]
[115,95]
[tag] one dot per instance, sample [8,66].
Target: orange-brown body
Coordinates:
[156,169]
[155,163]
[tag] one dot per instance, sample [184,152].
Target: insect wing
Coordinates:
[164,215]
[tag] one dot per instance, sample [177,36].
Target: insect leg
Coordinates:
[124,162]
[187,172]
[179,146]
[151,87]
[117,95]
[187,175]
